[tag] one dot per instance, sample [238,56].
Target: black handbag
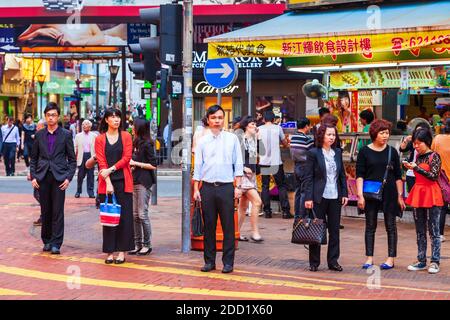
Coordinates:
[373,190]
[309,231]
[197,221]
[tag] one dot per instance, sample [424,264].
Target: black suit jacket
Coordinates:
[316,175]
[62,162]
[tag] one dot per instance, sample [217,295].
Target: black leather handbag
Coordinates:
[309,230]
[197,221]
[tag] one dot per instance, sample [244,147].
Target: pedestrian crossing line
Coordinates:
[10,292]
[30,273]
[195,273]
[312,279]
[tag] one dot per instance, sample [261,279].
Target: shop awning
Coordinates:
[363,31]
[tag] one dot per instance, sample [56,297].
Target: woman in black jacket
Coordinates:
[143,163]
[326,192]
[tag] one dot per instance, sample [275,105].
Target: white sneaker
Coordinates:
[442,238]
[434,268]
[418,266]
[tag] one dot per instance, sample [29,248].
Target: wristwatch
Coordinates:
[55,5]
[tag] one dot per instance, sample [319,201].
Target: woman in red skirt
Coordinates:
[426,199]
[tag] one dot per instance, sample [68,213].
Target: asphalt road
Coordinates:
[168,186]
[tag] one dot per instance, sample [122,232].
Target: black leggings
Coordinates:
[372,208]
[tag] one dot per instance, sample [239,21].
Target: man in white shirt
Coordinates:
[218,161]
[84,149]
[10,145]
[270,136]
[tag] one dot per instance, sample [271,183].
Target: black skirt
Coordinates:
[120,238]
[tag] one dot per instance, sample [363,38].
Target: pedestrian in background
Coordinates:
[84,149]
[113,150]
[301,142]
[143,164]
[28,134]
[10,146]
[218,161]
[371,165]
[441,145]
[270,136]
[326,192]
[52,167]
[248,186]
[19,126]
[426,200]
[365,117]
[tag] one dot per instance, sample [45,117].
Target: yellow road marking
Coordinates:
[194,273]
[10,292]
[29,273]
[312,279]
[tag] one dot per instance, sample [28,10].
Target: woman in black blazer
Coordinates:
[326,191]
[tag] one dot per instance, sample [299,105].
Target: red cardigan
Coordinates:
[124,163]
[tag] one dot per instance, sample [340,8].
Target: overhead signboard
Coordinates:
[70,35]
[7,43]
[298,4]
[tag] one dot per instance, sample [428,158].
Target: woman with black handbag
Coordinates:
[380,187]
[326,192]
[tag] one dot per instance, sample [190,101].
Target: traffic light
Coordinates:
[161,79]
[144,64]
[168,43]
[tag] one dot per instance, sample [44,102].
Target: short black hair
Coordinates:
[447,126]
[323,111]
[52,106]
[27,116]
[213,109]
[367,115]
[269,115]
[302,123]
[423,135]
[246,121]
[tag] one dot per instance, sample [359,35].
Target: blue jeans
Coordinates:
[142,226]
[9,156]
[421,215]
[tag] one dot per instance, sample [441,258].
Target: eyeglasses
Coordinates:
[51,115]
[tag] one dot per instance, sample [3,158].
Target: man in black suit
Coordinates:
[52,167]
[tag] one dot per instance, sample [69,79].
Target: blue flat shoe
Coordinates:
[367,265]
[385,266]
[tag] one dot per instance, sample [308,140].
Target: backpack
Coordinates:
[443,182]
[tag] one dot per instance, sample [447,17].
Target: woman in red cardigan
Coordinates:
[114,148]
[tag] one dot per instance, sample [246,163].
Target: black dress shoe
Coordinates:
[91,196]
[287,215]
[208,267]
[109,261]
[335,267]
[119,261]
[267,215]
[55,250]
[313,268]
[47,247]
[341,227]
[77,195]
[227,268]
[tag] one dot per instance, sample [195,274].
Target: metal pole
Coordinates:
[154,134]
[40,107]
[124,87]
[187,125]
[97,88]
[249,91]
[219,97]
[110,86]
[169,146]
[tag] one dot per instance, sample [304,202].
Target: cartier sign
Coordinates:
[204,88]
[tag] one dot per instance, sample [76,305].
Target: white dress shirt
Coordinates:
[13,137]
[218,158]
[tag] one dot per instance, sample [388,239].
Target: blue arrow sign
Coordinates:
[220,73]
[7,43]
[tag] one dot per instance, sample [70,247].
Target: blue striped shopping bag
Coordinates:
[110,212]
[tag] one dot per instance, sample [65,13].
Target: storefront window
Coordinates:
[282,106]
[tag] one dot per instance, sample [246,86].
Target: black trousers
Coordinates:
[299,191]
[52,210]
[444,212]
[218,201]
[120,238]
[371,209]
[27,147]
[9,156]
[330,211]
[280,180]
[82,172]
